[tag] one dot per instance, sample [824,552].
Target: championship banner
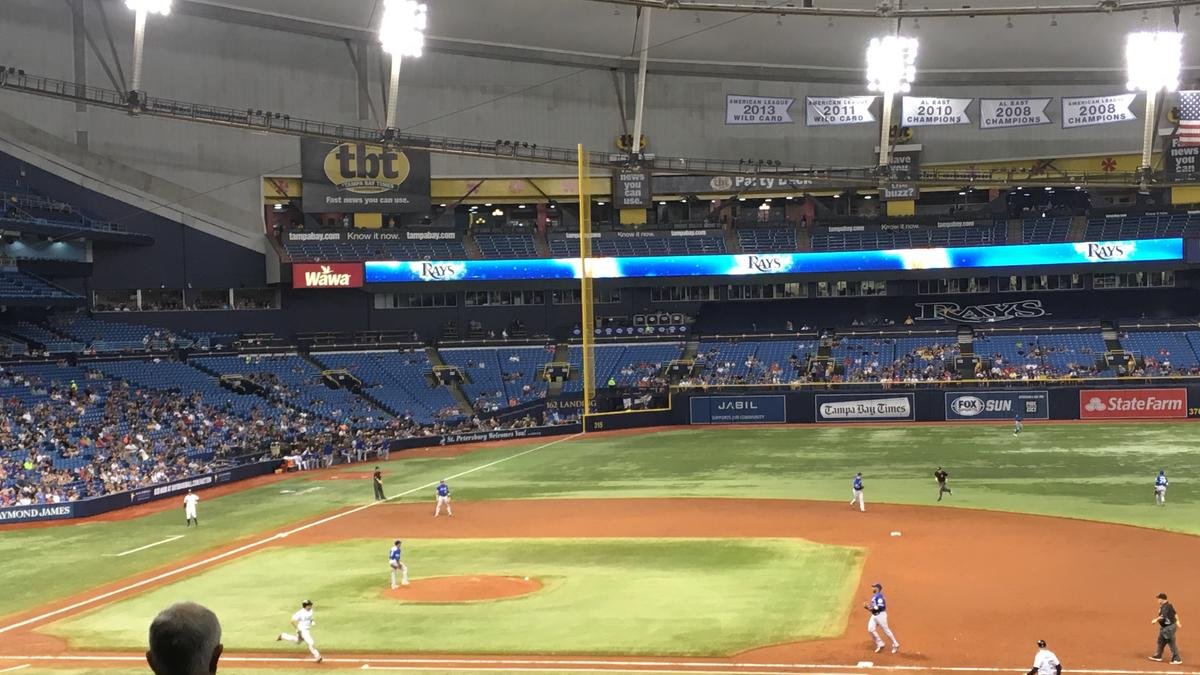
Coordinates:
[362,177]
[1005,113]
[827,111]
[757,110]
[926,111]
[1086,111]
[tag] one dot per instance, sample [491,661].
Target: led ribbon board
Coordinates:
[954,258]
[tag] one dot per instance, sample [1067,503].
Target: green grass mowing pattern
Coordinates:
[697,597]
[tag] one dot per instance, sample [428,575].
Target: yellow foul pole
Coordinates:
[587,324]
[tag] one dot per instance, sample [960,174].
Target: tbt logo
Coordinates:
[366,169]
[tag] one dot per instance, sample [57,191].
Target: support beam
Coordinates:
[885,129]
[393,93]
[139,43]
[643,55]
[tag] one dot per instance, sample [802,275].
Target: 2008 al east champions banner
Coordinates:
[825,111]
[1086,111]
[757,110]
[928,111]
[1004,113]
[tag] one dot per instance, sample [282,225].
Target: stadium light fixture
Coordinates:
[141,10]
[401,34]
[1152,65]
[891,70]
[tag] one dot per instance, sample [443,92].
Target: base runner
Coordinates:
[303,622]
[1045,662]
[877,606]
[396,565]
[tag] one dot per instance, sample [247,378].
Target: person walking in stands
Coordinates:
[1167,622]
[185,639]
[377,481]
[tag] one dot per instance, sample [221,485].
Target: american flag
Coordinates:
[1189,119]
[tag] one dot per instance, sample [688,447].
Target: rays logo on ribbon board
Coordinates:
[362,177]
[826,111]
[738,409]
[927,111]
[757,110]
[997,405]
[1006,113]
[864,407]
[1087,111]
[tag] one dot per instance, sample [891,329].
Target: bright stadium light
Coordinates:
[141,10]
[401,33]
[1152,65]
[891,70]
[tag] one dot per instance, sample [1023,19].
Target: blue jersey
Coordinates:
[878,603]
[1161,480]
[857,482]
[443,490]
[394,556]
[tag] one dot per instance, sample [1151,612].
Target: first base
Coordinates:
[895,533]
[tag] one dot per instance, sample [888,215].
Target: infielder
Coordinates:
[1160,488]
[395,564]
[443,497]
[1017,424]
[189,509]
[856,492]
[941,475]
[303,622]
[877,606]
[1045,662]
[377,482]
[1167,622]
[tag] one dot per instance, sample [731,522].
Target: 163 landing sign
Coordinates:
[327,275]
[361,177]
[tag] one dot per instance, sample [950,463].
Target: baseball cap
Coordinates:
[1161,596]
[877,585]
[1042,644]
[306,603]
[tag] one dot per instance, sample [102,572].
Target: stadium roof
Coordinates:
[793,45]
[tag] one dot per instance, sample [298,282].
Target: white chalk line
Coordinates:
[587,665]
[255,544]
[143,548]
[23,666]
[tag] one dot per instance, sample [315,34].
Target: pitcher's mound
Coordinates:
[464,589]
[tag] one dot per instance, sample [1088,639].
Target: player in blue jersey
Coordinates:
[396,565]
[877,606]
[1017,424]
[856,492]
[1160,488]
[443,497]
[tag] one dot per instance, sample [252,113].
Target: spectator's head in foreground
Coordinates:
[185,639]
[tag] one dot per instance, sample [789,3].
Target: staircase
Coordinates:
[472,246]
[434,357]
[455,386]
[1016,231]
[1078,229]
[690,349]
[541,245]
[732,243]
[803,238]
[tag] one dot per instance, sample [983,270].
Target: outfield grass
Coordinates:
[1096,471]
[684,597]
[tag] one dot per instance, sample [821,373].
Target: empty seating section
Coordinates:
[181,377]
[299,384]
[19,204]
[823,239]
[506,245]
[767,239]
[398,249]
[1056,354]
[109,336]
[627,364]
[640,246]
[1173,349]
[1045,230]
[49,341]
[752,361]
[1144,227]
[399,381]
[21,286]
[499,376]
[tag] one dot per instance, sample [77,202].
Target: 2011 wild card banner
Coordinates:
[826,111]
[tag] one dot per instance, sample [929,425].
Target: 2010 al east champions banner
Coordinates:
[826,111]
[1005,113]
[928,111]
[363,177]
[1086,111]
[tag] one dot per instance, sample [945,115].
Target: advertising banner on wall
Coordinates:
[991,312]
[757,110]
[361,177]
[1086,111]
[1006,113]
[1130,404]
[693,185]
[327,275]
[829,111]
[1182,158]
[881,407]
[738,409]
[997,405]
[631,190]
[929,111]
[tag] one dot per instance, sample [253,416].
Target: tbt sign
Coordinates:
[997,405]
[360,177]
[1131,404]
[327,275]
[631,190]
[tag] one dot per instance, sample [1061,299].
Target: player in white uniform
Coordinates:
[443,499]
[303,622]
[189,508]
[1045,662]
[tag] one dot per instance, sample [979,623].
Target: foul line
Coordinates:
[143,548]
[255,544]
[584,665]
[23,666]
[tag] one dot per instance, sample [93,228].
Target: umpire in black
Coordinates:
[1167,622]
[377,481]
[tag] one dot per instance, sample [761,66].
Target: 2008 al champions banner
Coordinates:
[1086,111]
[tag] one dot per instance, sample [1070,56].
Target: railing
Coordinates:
[941,384]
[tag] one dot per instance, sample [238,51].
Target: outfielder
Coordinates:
[1160,488]
[303,622]
[877,606]
[941,475]
[443,497]
[1017,424]
[189,509]
[856,492]
[1045,662]
[394,562]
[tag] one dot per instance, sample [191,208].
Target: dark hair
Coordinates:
[1162,596]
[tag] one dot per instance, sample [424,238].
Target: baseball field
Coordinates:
[714,550]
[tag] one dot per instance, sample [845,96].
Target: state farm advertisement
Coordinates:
[1132,404]
[327,275]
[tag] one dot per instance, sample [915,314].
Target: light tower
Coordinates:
[401,33]
[141,10]
[1152,63]
[891,70]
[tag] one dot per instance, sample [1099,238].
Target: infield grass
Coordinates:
[682,597]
